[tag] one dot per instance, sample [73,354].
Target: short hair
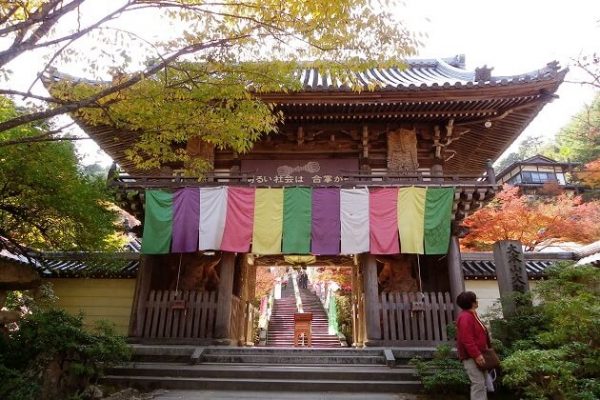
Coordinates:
[465,300]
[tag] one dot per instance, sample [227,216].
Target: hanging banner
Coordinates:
[354,216]
[213,209]
[239,220]
[158,223]
[298,220]
[268,221]
[438,218]
[186,220]
[383,220]
[325,221]
[411,217]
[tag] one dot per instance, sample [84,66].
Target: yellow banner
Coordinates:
[268,221]
[411,219]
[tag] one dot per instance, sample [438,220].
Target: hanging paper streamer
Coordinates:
[158,222]
[213,208]
[411,217]
[438,216]
[268,221]
[354,216]
[326,221]
[186,219]
[296,220]
[239,221]
[384,221]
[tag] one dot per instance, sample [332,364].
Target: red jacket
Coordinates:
[471,336]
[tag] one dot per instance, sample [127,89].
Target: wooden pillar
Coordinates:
[140,296]
[455,272]
[491,175]
[372,305]
[354,297]
[251,284]
[223,316]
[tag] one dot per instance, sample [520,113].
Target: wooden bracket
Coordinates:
[441,143]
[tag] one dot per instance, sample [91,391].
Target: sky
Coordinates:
[512,36]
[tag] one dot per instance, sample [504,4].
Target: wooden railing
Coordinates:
[416,318]
[187,314]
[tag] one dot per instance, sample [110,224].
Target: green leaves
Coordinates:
[562,359]
[46,202]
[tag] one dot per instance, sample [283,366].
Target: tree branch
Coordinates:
[68,107]
[10,92]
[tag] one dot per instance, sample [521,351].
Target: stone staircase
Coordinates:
[266,369]
[281,325]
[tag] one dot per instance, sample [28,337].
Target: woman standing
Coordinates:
[471,341]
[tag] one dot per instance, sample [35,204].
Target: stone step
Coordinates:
[293,359]
[148,383]
[258,371]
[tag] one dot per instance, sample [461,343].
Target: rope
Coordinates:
[419,273]
[178,274]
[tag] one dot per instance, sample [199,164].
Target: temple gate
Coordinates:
[431,126]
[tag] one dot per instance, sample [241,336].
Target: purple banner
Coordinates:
[325,221]
[186,220]
[300,172]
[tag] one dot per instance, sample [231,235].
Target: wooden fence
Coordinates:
[187,314]
[416,318]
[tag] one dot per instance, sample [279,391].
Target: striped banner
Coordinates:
[299,220]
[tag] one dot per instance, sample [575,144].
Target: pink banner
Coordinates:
[384,221]
[239,220]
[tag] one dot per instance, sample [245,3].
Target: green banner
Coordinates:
[438,216]
[297,211]
[158,224]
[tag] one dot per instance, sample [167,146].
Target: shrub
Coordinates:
[344,316]
[560,358]
[56,356]
[444,374]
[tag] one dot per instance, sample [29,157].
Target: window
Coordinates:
[538,177]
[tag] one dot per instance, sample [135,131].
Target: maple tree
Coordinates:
[590,175]
[537,223]
[340,275]
[265,279]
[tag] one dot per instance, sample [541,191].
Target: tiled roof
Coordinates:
[426,74]
[486,269]
[76,264]
[118,265]
[417,73]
